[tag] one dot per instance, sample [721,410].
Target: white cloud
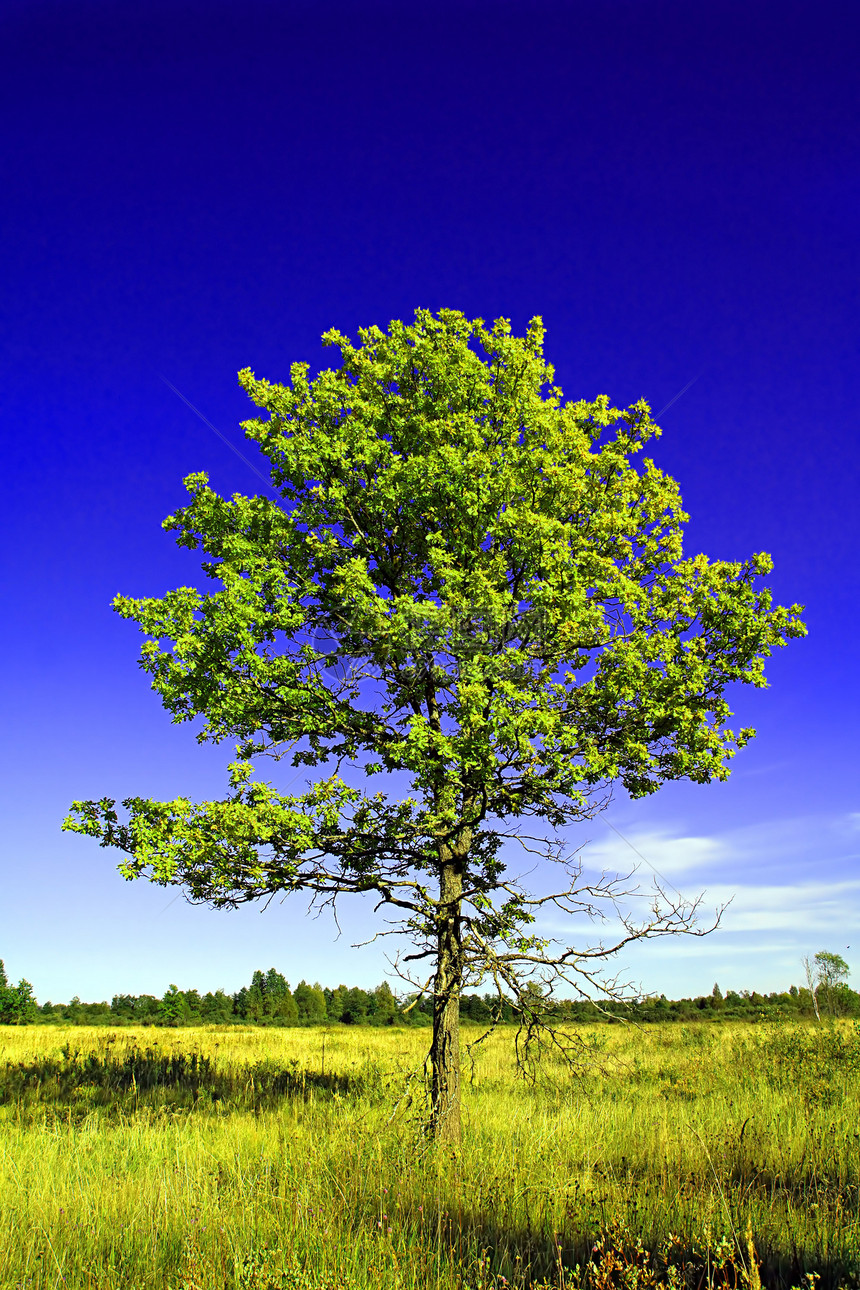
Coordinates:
[657,851]
[788,886]
[743,856]
[800,907]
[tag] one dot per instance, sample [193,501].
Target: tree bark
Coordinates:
[445,1048]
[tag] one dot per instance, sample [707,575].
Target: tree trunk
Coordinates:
[445,1048]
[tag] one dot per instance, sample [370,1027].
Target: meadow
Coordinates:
[294,1159]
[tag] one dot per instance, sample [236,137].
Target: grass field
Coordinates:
[279,1159]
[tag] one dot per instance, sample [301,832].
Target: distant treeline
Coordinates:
[269,1001]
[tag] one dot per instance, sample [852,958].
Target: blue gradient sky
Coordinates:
[189,190]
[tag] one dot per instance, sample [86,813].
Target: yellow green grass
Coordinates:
[280,1159]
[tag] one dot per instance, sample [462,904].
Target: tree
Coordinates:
[335,1002]
[310,1003]
[124,1006]
[173,1010]
[267,998]
[278,1001]
[18,1005]
[193,1003]
[255,1001]
[830,975]
[465,585]
[354,1008]
[383,1005]
[216,1008]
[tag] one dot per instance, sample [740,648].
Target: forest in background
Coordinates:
[269,1001]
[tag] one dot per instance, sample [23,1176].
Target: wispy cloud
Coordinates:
[800,907]
[771,853]
[653,849]
[788,887]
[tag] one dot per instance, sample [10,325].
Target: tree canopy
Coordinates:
[17,1002]
[465,590]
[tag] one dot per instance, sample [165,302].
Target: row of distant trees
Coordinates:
[269,1000]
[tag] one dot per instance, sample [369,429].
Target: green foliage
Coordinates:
[832,968]
[216,1007]
[465,581]
[831,975]
[267,999]
[354,1006]
[139,1009]
[310,1003]
[383,1005]
[819,1065]
[18,1005]
[335,1002]
[173,1009]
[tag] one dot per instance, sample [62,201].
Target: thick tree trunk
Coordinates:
[445,1048]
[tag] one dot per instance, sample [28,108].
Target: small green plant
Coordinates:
[818,1063]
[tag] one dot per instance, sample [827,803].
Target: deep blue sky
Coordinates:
[189,190]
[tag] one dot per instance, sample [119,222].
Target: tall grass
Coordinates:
[236,1158]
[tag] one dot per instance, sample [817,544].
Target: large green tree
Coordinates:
[466,588]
